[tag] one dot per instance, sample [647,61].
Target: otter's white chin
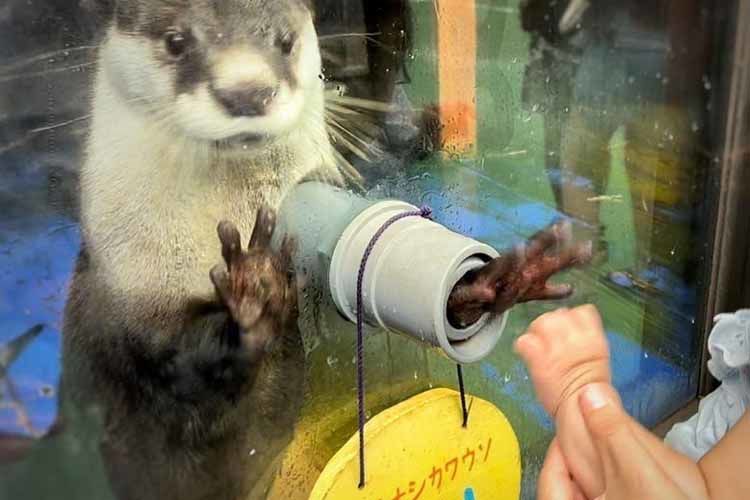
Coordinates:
[199,115]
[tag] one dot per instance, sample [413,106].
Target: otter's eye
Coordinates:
[176,43]
[286,43]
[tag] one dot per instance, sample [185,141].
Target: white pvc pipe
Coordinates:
[409,275]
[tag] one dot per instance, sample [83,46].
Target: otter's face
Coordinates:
[229,71]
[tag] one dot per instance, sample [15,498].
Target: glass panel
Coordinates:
[501,116]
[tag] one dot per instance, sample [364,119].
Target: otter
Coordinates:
[184,337]
[203,111]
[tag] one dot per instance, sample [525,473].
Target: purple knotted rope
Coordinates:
[425,212]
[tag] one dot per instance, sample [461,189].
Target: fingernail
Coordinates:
[593,398]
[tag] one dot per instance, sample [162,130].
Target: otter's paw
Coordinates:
[519,275]
[256,285]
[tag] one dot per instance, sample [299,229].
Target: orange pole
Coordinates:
[457,58]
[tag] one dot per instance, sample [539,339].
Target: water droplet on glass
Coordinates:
[46,391]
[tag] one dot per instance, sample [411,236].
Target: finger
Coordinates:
[220,279]
[607,423]
[567,258]
[587,316]
[549,292]
[498,268]
[469,295]
[288,248]
[554,479]
[609,430]
[584,252]
[530,348]
[265,223]
[578,492]
[629,469]
[229,236]
[547,238]
[290,310]
[551,323]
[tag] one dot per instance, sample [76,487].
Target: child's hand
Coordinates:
[565,350]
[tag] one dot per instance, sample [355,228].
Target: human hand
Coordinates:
[555,479]
[564,350]
[630,469]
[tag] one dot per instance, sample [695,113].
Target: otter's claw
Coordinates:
[518,276]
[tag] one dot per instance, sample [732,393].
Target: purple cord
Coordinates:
[423,212]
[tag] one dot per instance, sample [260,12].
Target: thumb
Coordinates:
[609,427]
[629,470]
[603,414]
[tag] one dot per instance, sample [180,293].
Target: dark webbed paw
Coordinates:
[256,285]
[518,276]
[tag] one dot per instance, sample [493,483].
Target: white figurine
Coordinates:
[729,346]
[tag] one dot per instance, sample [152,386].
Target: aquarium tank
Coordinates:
[625,118]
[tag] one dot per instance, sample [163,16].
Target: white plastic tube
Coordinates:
[409,275]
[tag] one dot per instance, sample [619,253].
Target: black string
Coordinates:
[423,212]
[464,410]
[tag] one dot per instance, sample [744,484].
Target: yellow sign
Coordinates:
[418,450]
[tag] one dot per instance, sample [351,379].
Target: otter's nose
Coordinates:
[246,100]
